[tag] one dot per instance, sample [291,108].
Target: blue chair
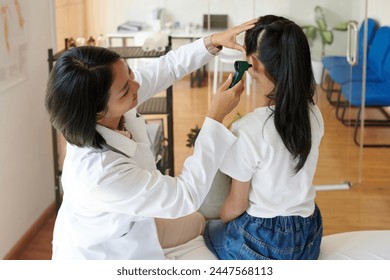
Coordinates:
[377,97]
[375,58]
[376,55]
[331,61]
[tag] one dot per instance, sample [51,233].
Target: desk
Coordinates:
[120,35]
[174,34]
[196,34]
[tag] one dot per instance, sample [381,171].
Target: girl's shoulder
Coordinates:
[254,124]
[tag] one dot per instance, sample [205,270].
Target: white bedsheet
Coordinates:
[356,245]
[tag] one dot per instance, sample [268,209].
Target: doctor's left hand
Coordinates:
[227,38]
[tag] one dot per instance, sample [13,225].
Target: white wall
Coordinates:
[71,20]
[379,9]
[104,16]
[26,173]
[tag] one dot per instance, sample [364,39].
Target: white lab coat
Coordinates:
[111,198]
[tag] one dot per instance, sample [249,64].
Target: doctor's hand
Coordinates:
[227,38]
[225,100]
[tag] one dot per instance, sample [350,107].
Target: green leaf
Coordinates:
[341,26]
[310,31]
[321,23]
[327,37]
[320,18]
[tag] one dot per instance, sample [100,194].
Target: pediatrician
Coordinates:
[112,189]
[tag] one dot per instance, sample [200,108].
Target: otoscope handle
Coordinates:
[240,66]
[236,78]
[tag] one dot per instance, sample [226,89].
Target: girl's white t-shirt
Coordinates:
[260,156]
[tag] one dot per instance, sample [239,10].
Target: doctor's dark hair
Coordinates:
[283,49]
[77,90]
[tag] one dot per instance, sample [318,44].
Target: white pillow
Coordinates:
[213,202]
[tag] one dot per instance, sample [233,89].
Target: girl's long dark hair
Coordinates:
[283,49]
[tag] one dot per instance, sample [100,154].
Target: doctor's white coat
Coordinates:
[111,198]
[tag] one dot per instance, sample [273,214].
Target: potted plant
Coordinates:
[320,30]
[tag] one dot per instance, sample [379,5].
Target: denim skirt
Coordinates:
[278,238]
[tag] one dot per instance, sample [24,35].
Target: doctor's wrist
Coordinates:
[214,50]
[216,115]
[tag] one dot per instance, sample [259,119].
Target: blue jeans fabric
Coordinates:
[278,238]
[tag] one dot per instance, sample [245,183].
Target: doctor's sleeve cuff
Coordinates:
[218,132]
[210,47]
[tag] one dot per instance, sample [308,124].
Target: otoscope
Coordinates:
[240,66]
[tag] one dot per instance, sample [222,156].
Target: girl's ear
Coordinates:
[257,66]
[254,61]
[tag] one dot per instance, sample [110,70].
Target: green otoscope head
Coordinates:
[240,66]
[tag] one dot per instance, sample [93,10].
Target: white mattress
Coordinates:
[356,245]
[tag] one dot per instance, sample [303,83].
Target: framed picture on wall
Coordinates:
[13,43]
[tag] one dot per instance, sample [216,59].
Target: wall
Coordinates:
[26,173]
[71,20]
[379,9]
[103,16]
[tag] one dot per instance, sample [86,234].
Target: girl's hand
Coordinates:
[227,38]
